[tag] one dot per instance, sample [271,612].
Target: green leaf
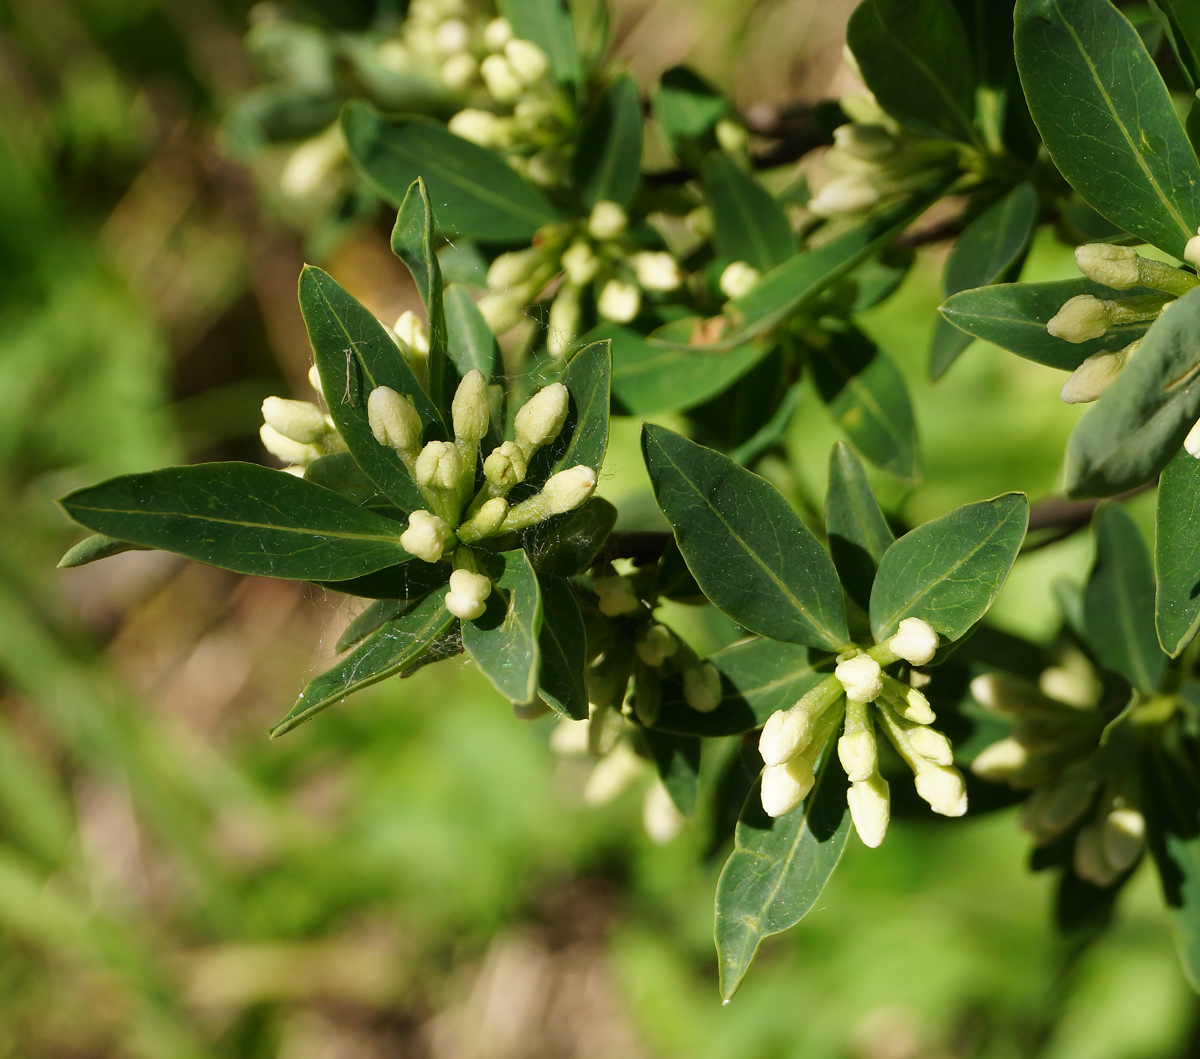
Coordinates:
[758,677]
[1013,316]
[472,344]
[566,544]
[748,224]
[563,645]
[949,571]
[339,472]
[354,355]
[410,579]
[747,549]
[777,870]
[584,436]
[1107,118]
[608,154]
[503,643]
[241,517]
[548,24]
[858,533]
[1118,601]
[1135,428]
[413,243]
[1182,19]
[1177,553]
[396,646]
[97,546]
[478,193]
[916,58]
[688,109]
[867,398]
[985,251]
[677,759]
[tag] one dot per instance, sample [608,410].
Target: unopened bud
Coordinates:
[656,645]
[1088,858]
[514,268]
[460,71]
[489,518]
[1000,761]
[541,418]
[1123,836]
[468,591]
[851,193]
[858,754]
[1192,442]
[702,688]
[1080,319]
[1112,266]
[569,738]
[497,33]
[786,734]
[861,677]
[656,270]
[1054,807]
[393,419]
[943,788]
[562,325]
[314,379]
[931,745]
[615,596]
[868,142]
[411,332]
[619,301]
[580,263]
[1095,375]
[613,775]
[568,489]
[527,61]
[452,36]
[469,409]
[426,536]
[300,421]
[286,450]
[731,136]
[505,465]
[439,466]
[915,641]
[738,279]
[914,706]
[501,79]
[607,220]
[660,815]
[785,786]
[1191,252]
[482,127]
[502,312]
[870,809]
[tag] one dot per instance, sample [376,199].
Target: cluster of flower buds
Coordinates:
[594,253]
[298,432]
[792,740]
[1053,752]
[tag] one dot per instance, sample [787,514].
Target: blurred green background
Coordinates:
[416,874]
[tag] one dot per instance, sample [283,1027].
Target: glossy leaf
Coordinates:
[916,58]
[748,224]
[472,344]
[477,193]
[395,646]
[1135,428]
[677,759]
[241,517]
[1118,601]
[985,251]
[563,645]
[858,533]
[777,870]
[503,643]
[548,24]
[1183,27]
[97,546]
[688,109]
[566,544]
[410,579]
[949,571]
[607,165]
[338,471]
[1177,553]
[747,549]
[1107,118]
[1013,316]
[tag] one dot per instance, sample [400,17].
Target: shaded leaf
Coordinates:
[607,165]
[677,759]
[688,109]
[858,533]
[1177,553]
[472,344]
[563,645]
[566,544]
[748,224]
[503,643]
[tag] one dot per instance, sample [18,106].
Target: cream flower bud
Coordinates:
[541,418]
[1112,266]
[915,641]
[656,270]
[1192,442]
[660,815]
[613,775]
[502,311]
[702,688]
[527,61]
[1191,252]
[439,466]
[615,595]
[501,79]
[481,127]
[460,71]
[738,279]
[505,465]
[469,409]
[1092,378]
[468,591]
[1123,836]
[731,135]
[619,301]
[287,450]
[1000,761]
[915,707]
[562,325]
[870,809]
[858,754]
[426,536]
[943,788]
[580,263]
[452,36]
[861,677]
[300,421]
[1080,319]
[656,645]
[607,220]
[568,489]
[785,786]
[786,734]
[489,518]
[852,193]
[868,142]
[314,379]
[411,332]
[393,419]
[569,738]
[931,745]
[514,268]
[497,33]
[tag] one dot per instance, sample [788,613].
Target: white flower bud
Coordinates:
[1123,836]
[786,734]
[702,687]
[287,450]
[426,536]
[505,465]
[656,645]
[731,135]
[868,142]
[497,33]
[1080,319]
[452,36]
[1092,378]
[482,127]
[568,489]
[656,270]
[514,268]
[615,596]
[439,466]
[607,220]
[861,677]
[785,786]
[562,325]
[501,79]
[468,591]
[527,61]
[931,745]
[738,279]
[460,71]
[915,707]
[393,419]
[469,409]
[314,379]
[619,301]
[489,518]
[915,641]
[1191,252]
[411,332]
[943,788]
[311,164]
[503,311]
[1192,442]
[1000,761]
[1112,266]
[870,809]
[660,815]
[541,418]
[580,263]
[1088,858]
[301,421]
[852,193]
[569,738]
[613,775]
[858,754]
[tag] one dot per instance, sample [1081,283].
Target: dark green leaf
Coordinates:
[916,58]
[408,580]
[398,644]
[1135,428]
[688,109]
[477,193]
[584,436]
[1107,118]
[858,533]
[377,614]
[97,546]
[548,24]
[950,570]
[608,154]
[472,344]
[339,472]
[563,645]
[748,224]
[1118,602]
[677,759]
[777,870]
[241,517]
[1177,553]
[566,544]
[504,641]
[747,549]
[1182,19]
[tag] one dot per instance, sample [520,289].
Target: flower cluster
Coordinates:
[792,740]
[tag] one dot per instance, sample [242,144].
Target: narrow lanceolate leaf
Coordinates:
[1013,316]
[858,533]
[949,571]
[777,870]
[563,645]
[504,641]
[1107,118]
[474,191]
[409,580]
[985,251]
[916,58]
[745,546]
[241,517]
[1177,553]
[1183,24]
[1118,602]
[472,344]
[549,25]
[1135,428]
[395,646]
[758,677]
[608,157]
[688,109]
[677,759]
[97,546]
[354,355]
[748,224]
